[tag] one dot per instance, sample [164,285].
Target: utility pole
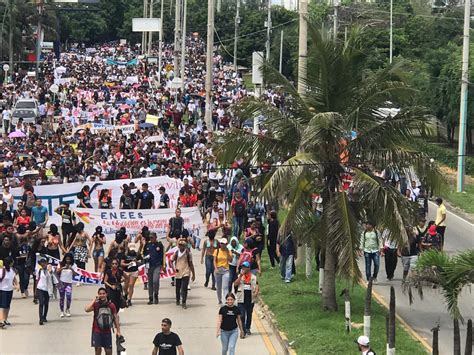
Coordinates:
[269,29]
[209,62]
[280,67]
[10,38]
[177,37]
[183,41]
[39,32]
[144,34]
[464,92]
[160,50]
[391,30]
[236,34]
[302,59]
[150,34]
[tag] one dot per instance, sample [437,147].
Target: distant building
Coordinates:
[291,5]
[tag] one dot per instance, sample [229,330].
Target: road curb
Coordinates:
[281,336]
[413,333]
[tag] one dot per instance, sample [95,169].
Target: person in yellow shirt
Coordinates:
[222,257]
[441,220]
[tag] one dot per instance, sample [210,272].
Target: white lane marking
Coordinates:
[453,214]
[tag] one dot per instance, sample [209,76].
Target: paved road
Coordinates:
[423,315]
[140,323]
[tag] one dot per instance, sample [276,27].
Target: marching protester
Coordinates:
[371,247]
[247,290]
[7,284]
[184,267]
[222,258]
[210,244]
[104,321]
[154,256]
[66,273]
[229,323]
[167,342]
[68,221]
[44,287]
[98,251]
[113,278]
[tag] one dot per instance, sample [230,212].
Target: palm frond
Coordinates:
[343,234]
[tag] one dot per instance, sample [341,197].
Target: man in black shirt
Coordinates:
[167,342]
[176,225]
[164,198]
[68,219]
[146,199]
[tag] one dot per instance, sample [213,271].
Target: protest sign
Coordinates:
[55,195]
[156,220]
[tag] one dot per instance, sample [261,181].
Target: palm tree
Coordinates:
[310,140]
[451,275]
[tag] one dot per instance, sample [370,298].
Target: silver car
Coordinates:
[27,109]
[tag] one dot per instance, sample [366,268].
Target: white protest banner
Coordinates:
[126,129]
[57,194]
[80,275]
[156,220]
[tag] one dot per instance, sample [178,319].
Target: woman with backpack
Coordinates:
[207,255]
[44,287]
[247,291]
[222,257]
[250,253]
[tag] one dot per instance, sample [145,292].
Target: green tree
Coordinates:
[309,136]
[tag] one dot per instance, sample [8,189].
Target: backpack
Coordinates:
[104,317]
[247,256]
[239,209]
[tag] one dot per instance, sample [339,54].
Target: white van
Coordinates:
[26,109]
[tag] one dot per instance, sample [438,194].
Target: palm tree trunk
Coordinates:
[435,344]
[329,287]
[368,309]
[468,350]
[456,338]
[308,257]
[391,323]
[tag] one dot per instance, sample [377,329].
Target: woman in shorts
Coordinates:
[130,265]
[7,283]
[98,252]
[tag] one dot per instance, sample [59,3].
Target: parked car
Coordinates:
[27,109]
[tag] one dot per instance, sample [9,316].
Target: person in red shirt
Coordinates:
[102,331]
[23,219]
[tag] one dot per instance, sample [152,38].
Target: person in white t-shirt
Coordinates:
[6,114]
[7,283]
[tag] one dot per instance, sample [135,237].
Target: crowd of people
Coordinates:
[80,136]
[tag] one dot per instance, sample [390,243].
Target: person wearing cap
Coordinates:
[184,267]
[364,345]
[431,239]
[222,258]
[246,292]
[440,220]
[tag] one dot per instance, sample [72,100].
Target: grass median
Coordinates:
[463,200]
[297,309]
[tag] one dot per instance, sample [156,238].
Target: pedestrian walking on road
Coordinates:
[207,257]
[154,256]
[236,249]
[273,227]
[247,291]
[371,247]
[390,252]
[441,220]
[7,283]
[66,273]
[222,257]
[411,250]
[105,318]
[166,342]
[183,264]
[44,288]
[286,249]
[229,323]
[364,345]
